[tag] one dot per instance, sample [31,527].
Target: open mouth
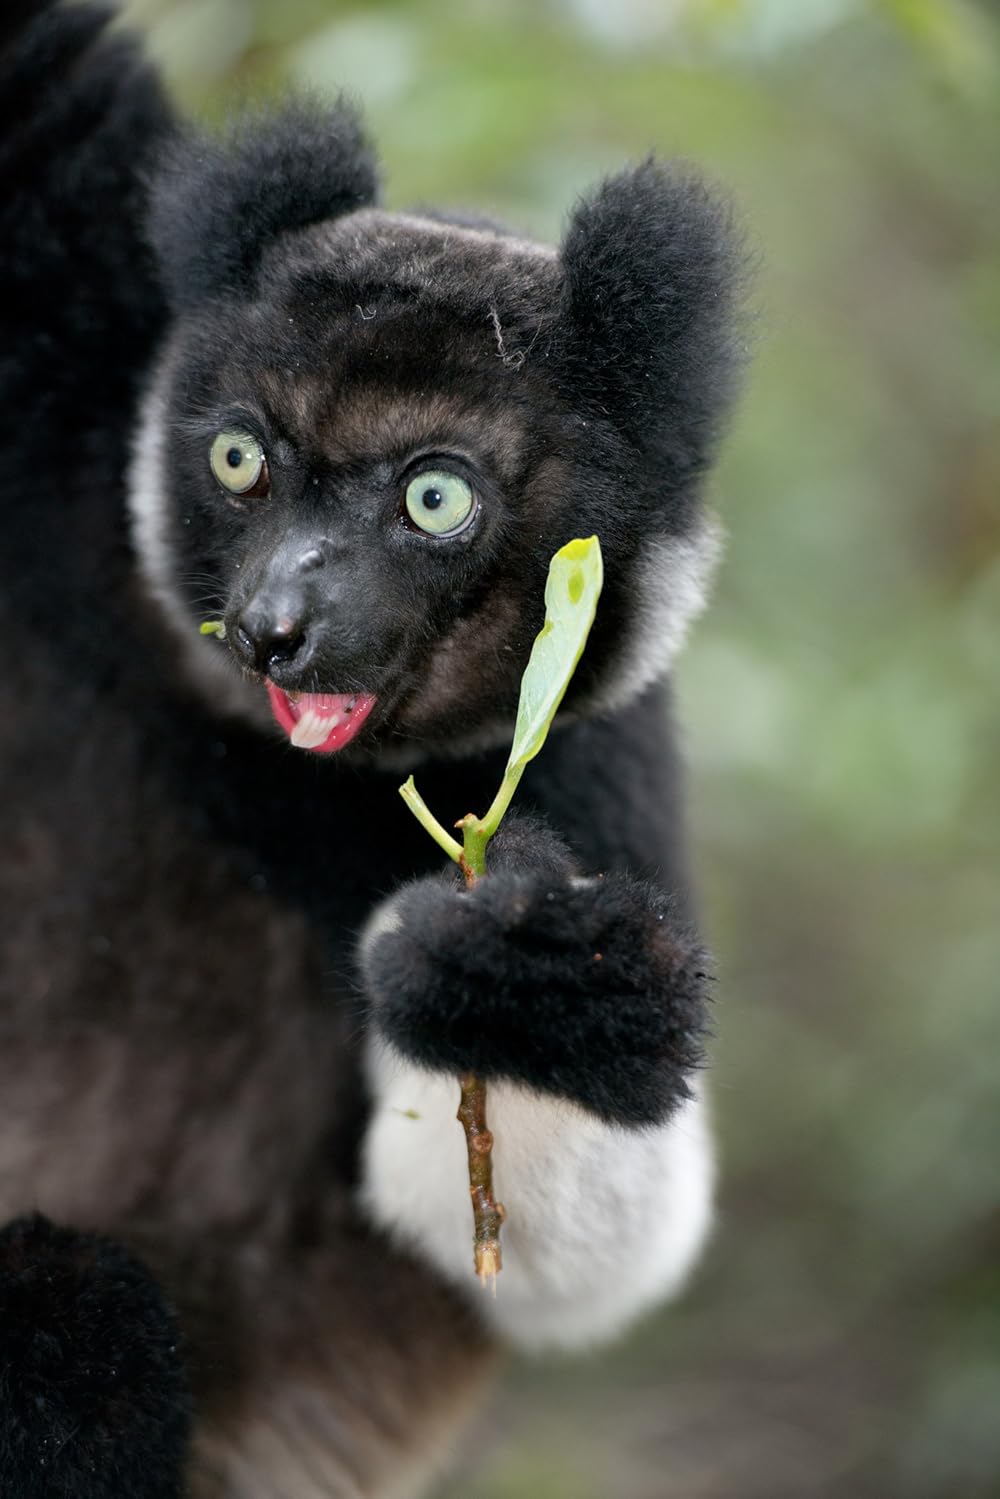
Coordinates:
[320,721]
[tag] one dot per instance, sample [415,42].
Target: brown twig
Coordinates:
[487,1213]
[571,592]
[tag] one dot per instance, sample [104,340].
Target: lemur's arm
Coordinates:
[583,1001]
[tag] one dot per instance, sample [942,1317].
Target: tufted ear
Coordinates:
[217,203]
[652,269]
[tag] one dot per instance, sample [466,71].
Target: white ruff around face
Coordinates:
[670,585]
[206,663]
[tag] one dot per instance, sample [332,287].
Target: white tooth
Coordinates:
[312,729]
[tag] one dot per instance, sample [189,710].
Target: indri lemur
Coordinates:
[237,981]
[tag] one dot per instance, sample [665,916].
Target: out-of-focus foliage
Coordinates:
[841,701]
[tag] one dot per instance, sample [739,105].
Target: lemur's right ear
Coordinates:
[217,203]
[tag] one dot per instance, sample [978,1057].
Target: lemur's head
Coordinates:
[369,431]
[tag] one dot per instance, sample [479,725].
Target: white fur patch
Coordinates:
[602,1222]
[204,661]
[670,587]
[384,919]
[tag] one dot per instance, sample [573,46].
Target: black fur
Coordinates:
[93,1398]
[653,267]
[595,990]
[181,1009]
[217,205]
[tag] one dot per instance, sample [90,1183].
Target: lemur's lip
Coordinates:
[320,721]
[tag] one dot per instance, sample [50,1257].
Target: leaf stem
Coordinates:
[429,822]
[498,807]
[474,838]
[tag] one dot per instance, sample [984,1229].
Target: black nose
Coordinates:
[269,636]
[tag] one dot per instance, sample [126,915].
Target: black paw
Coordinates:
[93,1403]
[589,988]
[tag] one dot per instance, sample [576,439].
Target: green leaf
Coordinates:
[576,574]
[572,589]
[213,627]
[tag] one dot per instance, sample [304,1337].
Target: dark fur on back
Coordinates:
[182,1011]
[115,1418]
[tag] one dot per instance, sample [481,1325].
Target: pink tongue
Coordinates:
[320,721]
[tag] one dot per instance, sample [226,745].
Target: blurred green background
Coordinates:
[841,701]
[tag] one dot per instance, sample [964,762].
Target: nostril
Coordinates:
[270,641]
[284,644]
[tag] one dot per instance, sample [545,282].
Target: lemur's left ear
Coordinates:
[217,203]
[652,269]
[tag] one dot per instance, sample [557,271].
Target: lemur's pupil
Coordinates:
[432,499]
[234,458]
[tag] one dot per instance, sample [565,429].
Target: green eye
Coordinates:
[239,464]
[439,502]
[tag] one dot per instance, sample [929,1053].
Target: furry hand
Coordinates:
[591,988]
